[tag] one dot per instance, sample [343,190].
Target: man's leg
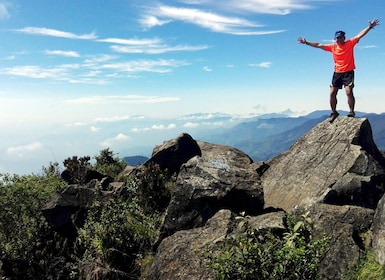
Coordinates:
[351,99]
[333,98]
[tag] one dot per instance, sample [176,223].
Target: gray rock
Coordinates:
[222,178]
[173,153]
[344,226]
[378,232]
[333,163]
[181,255]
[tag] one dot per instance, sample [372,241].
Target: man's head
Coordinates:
[339,36]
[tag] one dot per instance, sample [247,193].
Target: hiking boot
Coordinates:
[333,116]
[351,115]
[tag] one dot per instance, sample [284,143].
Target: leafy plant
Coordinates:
[108,163]
[76,169]
[367,268]
[265,255]
[116,234]
[152,187]
[22,226]
[21,201]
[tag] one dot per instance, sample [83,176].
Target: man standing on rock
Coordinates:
[344,66]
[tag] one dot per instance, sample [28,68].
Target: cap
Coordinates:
[339,33]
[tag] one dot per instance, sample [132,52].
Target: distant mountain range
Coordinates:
[264,137]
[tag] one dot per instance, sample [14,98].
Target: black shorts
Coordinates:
[343,79]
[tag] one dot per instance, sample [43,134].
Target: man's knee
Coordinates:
[349,90]
[333,91]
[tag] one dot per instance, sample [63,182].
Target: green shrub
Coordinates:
[77,169]
[265,255]
[367,268]
[116,234]
[21,201]
[108,163]
[152,187]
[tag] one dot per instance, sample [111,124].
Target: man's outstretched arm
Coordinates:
[312,44]
[365,31]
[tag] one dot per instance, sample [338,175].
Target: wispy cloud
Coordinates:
[112,119]
[118,139]
[212,21]
[368,47]
[207,69]
[157,49]
[4,14]
[132,42]
[62,53]
[277,7]
[93,71]
[265,64]
[154,127]
[131,99]
[35,71]
[94,129]
[21,150]
[137,66]
[191,125]
[55,33]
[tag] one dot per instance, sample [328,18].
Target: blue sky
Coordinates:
[72,67]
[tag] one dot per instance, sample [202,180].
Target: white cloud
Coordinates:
[191,125]
[35,71]
[21,150]
[137,66]
[265,64]
[149,21]
[207,69]
[94,129]
[154,127]
[4,14]
[62,53]
[118,139]
[212,21]
[278,7]
[125,99]
[55,33]
[157,49]
[368,47]
[132,42]
[86,73]
[163,127]
[113,119]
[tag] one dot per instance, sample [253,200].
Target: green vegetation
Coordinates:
[367,268]
[265,255]
[109,164]
[21,221]
[116,235]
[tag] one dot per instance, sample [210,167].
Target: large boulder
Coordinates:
[183,255]
[334,163]
[378,232]
[66,210]
[344,226]
[222,178]
[180,255]
[173,153]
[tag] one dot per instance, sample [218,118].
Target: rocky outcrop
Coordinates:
[219,179]
[173,153]
[335,172]
[345,225]
[334,163]
[378,232]
[66,210]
